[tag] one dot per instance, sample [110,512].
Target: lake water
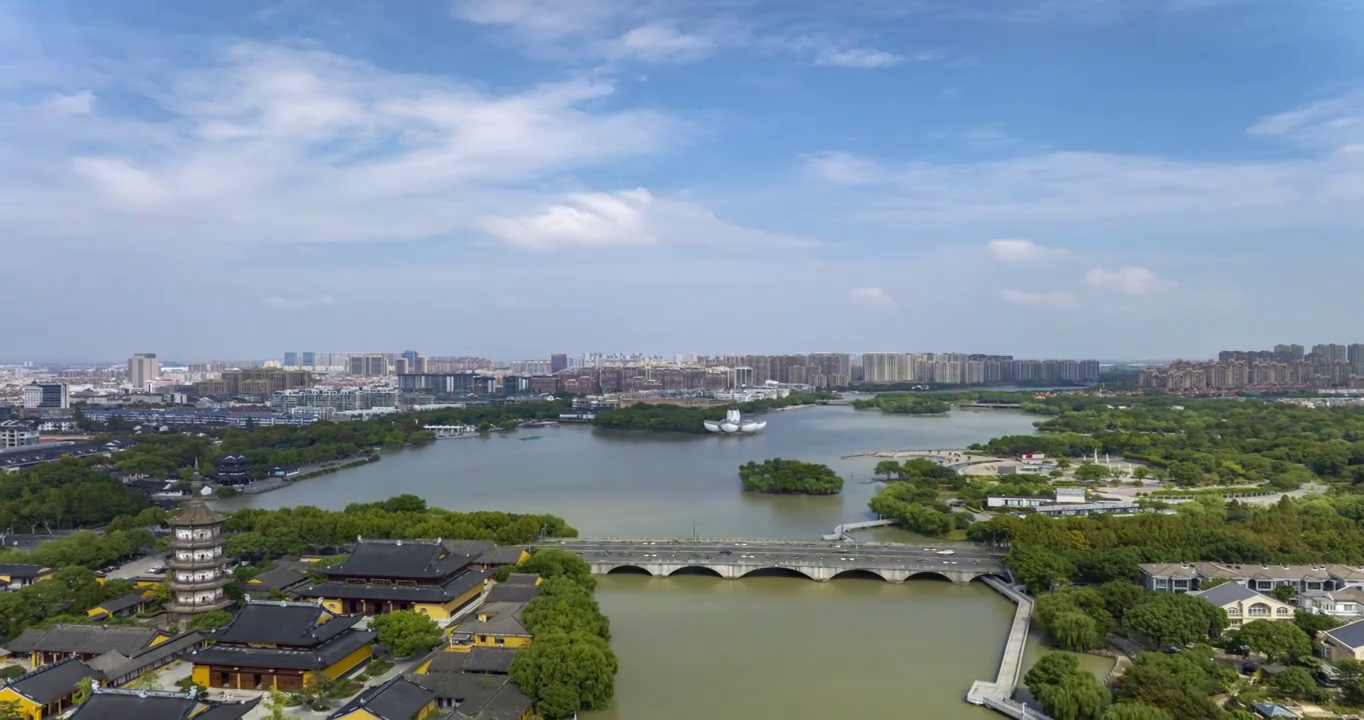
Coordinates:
[693,646]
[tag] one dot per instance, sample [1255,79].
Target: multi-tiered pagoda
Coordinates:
[196,561]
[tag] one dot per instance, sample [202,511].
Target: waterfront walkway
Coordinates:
[998,695]
[844,531]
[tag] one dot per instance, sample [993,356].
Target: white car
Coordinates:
[947,552]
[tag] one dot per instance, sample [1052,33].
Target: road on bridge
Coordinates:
[963,555]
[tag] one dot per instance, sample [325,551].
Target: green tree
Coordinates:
[1296,682]
[1064,691]
[209,621]
[84,687]
[1314,623]
[407,632]
[567,672]
[1175,619]
[550,563]
[1134,711]
[790,477]
[276,704]
[1276,640]
[887,469]
[1089,472]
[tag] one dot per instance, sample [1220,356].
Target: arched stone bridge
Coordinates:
[958,562]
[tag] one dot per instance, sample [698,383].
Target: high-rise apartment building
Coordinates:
[558,362]
[309,359]
[372,365]
[1355,355]
[46,395]
[143,368]
[291,359]
[254,381]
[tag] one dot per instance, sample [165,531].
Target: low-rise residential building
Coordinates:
[1343,643]
[1185,577]
[47,691]
[1094,508]
[278,645]
[1243,605]
[17,433]
[1012,501]
[1346,603]
[1070,495]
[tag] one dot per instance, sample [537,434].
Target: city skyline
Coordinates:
[514,174]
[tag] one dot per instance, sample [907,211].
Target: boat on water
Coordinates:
[531,437]
[734,424]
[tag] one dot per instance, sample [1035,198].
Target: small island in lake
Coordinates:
[904,404]
[791,477]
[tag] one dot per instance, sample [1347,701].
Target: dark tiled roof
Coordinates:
[513,593]
[461,584]
[486,697]
[120,604]
[397,699]
[314,658]
[1351,635]
[55,681]
[503,619]
[87,639]
[446,662]
[1228,592]
[400,559]
[142,705]
[523,579]
[502,555]
[277,578]
[284,623]
[25,641]
[469,548]
[488,660]
[176,646]
[21,570]
[196,512]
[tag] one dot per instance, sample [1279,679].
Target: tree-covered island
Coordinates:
[904,404]
[684,419]
[791,477]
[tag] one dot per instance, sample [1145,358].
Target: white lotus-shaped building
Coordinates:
[734,424]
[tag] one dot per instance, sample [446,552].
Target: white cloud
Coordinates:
[1022,297]
[303,303]
[277,144]
[841,168]
[585,219]
[1129,280]
[871,297]
[628,218]
[78,103]
[857,58]
[1018,250]
[1332,124]
[660,42]
[539,20]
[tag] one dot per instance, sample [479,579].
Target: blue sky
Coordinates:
[1110,178]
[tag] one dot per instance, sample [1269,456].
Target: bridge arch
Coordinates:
[776,572]
[628,570]
[696,570]
[858,574]
[929,575]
